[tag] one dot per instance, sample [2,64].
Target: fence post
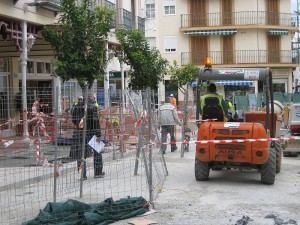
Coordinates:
[186,97]
[121,138]
[148,94]
[56,142]
[83,151]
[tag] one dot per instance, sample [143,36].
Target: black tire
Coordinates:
[268,170]
[201,170]
[278,149]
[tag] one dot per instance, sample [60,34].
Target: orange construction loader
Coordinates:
[231,145]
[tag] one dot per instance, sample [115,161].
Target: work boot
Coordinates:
[100,175]
[173,149]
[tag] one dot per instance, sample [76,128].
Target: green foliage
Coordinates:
[147,66]
[183,76]
[79,41]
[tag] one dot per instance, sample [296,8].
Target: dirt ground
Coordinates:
[229,197]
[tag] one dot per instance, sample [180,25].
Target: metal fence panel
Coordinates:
[36,171]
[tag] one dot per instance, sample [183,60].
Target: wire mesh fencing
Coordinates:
[55,163]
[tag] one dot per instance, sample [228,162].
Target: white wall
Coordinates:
[249,5]
[215,43]
[214,6]
[169,26]
[256,40]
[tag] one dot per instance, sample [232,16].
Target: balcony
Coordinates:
[52,5]
[246,19]
[141,24]
[112,6]
[243,58]
[127,23]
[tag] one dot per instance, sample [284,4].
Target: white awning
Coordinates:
[278,32]
[234,82]
[211,32]
[193,84]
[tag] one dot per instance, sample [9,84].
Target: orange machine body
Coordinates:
[243,152]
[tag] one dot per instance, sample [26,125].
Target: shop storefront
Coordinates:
[236,88]
[115,87]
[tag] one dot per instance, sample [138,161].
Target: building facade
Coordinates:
[234,33]
[21,20]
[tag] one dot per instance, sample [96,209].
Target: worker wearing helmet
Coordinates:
[173,101]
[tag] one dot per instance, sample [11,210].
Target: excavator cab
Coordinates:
[238,145]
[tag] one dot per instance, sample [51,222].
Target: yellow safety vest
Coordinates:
[202,104]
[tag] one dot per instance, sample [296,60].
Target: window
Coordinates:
[150,11]
[169,7]
[280,85]
[169,10]
[151,41]
[34,67]
[170,44]
[43,67]
[30,67]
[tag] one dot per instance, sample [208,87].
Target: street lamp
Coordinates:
[27,43]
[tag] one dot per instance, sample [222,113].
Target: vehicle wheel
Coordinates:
[278,156]
[290,154]
[201,170]
[268,170]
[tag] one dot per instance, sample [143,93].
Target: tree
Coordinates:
[79,43]
[147,66]
[183,76]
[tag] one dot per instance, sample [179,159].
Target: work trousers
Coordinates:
[97,158]
[165,130]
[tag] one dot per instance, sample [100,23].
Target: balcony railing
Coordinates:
[127,19]
[110,5]
[240,57]
[52,5]
[141,24]
[245,18]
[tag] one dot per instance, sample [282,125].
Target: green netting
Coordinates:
[261,100]
[284,98]
[241,101]
[296,98]
[73,212]
[252,101]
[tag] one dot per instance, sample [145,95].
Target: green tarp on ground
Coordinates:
[73,212]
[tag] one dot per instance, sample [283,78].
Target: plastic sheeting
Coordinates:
[73,212]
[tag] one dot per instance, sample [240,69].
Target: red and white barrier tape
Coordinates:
[143,116]
[3,124]
[38,150]
[233,141]
[207,120]
[41,122]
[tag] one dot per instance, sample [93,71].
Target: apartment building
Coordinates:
[21,22]
[234,33]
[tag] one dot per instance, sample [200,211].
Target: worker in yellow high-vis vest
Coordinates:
[212,105]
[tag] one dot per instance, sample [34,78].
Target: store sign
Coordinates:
[116,74]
